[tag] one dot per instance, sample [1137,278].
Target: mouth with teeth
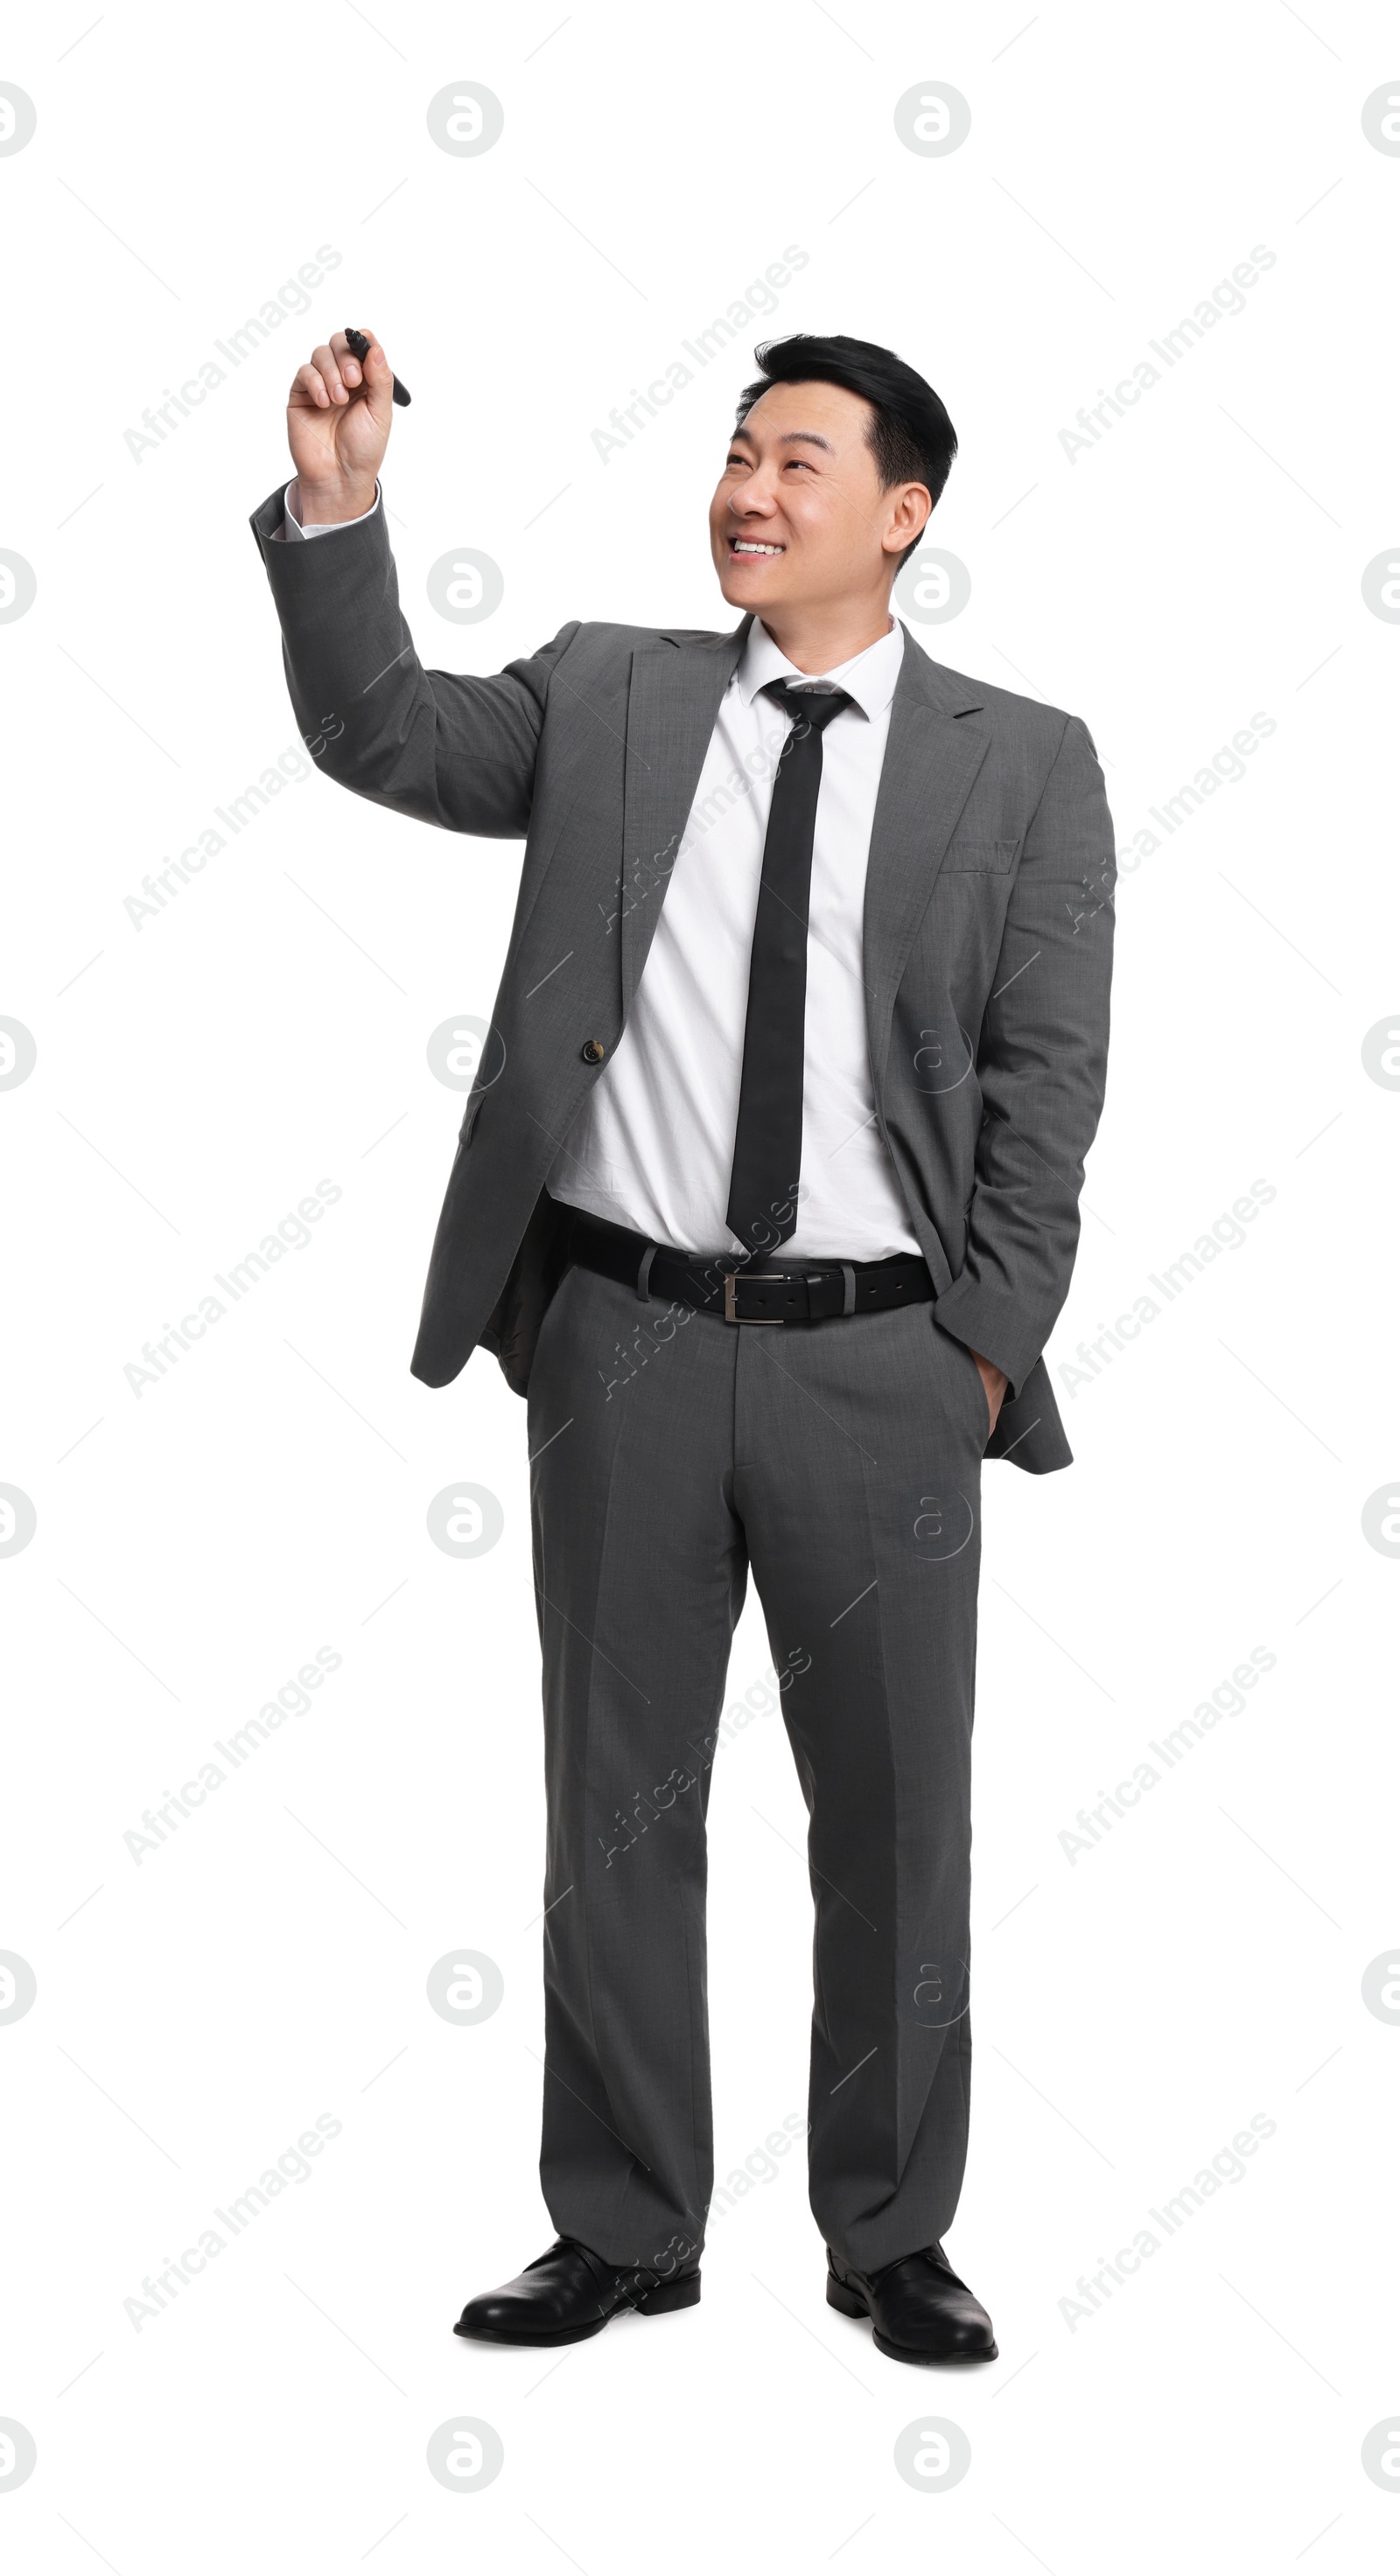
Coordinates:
[750,550]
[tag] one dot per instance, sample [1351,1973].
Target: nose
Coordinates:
[752,500]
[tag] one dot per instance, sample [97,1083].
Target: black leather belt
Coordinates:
[804,1294]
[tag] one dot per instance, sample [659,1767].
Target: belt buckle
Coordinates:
[731,1281]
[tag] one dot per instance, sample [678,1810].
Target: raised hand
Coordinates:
[339,415]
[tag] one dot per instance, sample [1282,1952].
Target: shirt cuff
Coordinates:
[294,533]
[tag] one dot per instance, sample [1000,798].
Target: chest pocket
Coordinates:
[982,858]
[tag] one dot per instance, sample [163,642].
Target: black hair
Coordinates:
[909,434]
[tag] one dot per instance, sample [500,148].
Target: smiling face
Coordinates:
[800,522]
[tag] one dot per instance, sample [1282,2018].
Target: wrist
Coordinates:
[327,505]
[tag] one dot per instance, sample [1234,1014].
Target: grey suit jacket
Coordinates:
[988,938]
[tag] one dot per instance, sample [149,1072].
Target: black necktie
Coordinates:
[768,1135]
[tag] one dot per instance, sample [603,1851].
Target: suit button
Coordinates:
[594,1051]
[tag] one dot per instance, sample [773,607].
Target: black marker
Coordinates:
[359,348]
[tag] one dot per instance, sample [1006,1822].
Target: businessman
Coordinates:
[766,1200]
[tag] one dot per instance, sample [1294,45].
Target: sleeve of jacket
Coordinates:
[444,747]
[1041,1062]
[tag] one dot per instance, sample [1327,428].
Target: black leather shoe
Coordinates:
[570,2293]
[918,2307]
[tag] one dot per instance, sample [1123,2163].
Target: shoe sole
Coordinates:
[660,2302]
[850,2303]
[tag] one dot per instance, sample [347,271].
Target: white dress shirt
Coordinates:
[293,531]
[653,1146]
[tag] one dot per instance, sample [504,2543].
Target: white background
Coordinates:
[197,1542]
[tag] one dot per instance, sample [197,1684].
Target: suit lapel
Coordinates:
[672,702]
[935,748]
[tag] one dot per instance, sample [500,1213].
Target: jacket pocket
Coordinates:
[981,858]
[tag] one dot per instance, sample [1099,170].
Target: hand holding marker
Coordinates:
[358,346]
[340,409]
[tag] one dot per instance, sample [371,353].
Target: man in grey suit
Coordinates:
[766,1199]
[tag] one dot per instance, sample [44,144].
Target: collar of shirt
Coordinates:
[868,678]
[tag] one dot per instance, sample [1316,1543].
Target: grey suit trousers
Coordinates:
[841,1461]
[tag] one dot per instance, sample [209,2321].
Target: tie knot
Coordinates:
[811,707]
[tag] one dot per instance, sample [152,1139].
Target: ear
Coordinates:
[911,508]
